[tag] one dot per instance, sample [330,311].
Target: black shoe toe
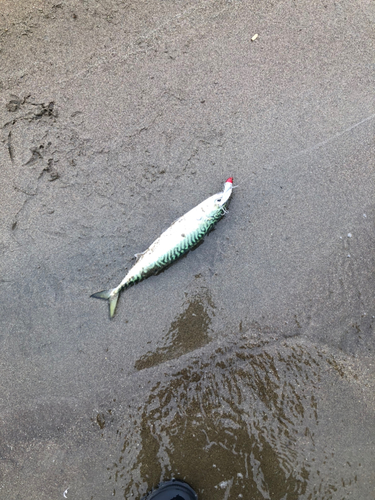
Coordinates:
[173,490]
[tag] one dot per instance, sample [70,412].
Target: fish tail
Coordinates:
[112,296]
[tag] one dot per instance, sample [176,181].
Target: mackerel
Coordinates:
[179,238]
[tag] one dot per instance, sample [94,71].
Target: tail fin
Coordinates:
[111,296]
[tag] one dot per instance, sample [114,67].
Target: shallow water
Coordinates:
[248,418]
[188,332]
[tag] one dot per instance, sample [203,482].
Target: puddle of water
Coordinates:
[242,421]
[189,331]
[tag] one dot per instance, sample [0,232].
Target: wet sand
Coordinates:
[246,368]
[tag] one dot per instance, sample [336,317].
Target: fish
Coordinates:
[184,234]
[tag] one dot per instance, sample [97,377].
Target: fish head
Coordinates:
[224,196]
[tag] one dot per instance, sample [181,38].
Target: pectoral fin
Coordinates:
[139,255]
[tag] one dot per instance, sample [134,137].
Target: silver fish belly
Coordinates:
[178,239]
